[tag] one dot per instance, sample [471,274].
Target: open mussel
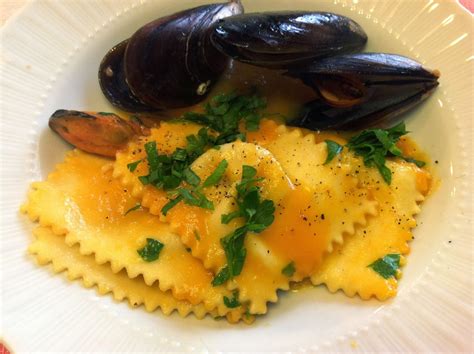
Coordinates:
[286,39]
[362,90]
[99,133]
[168,63]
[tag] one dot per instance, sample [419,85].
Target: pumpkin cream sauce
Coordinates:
[285,95]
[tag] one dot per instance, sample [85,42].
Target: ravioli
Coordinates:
[332,220]
[168,137]
[47,247]
[337,194]
[81,199]
[347,268]
[300,184]
[309,216]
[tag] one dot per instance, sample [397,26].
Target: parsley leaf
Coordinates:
[221,277]
[191,178]
[169,171]
[289,269]
[258,215]
[233,302]
[333,150]
[225,112]
[136,207]
[235,252]
[194,196]
[375,145]
[387,266]
[151,251]
[217,175]
[132,166]
[418,163]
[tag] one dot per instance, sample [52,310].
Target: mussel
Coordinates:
[286,39]
[362,90]
[167,63]
[113,83]
[99,133]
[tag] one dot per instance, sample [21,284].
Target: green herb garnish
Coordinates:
[387,266]
[136,207]
[258,215]
[221,277]
[194,196]
[418,163]
[333,150]
[289,269]
[375,145]
[232,302]
[132,166]
[151,251]
[225,112]
[169,171]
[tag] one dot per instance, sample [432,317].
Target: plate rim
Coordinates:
[461,227]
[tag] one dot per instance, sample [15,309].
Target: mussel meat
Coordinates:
[168,63]
[99,133]
[286,39]
[362,90]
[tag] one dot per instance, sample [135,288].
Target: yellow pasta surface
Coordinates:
[81,199]
[337,194]
[316,204]
[168,137]
[387,233]
[307,222]
[48,247]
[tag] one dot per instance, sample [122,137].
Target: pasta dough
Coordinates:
[325,204]
[168,137]
[82,200]
[316,205]
[387,233]
[50,248]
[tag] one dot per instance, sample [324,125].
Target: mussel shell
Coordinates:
[170,62]
[286,39]
[392,84]
[113,83]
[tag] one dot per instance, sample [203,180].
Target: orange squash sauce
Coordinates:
[299,232]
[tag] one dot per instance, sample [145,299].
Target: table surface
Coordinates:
[8,8]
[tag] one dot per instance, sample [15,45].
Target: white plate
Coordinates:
[50,54]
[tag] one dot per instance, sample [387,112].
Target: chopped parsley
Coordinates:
[223,115]
[136,207]
[334,149]
[387,266]
[289,269]
[232,302]
[374,145]
[132,166]
[194,196]
[257,214]
[221,277]
[151,251]
[169,171]
[225,112]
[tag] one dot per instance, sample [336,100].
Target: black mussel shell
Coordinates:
[171,63]
[286,39]
[362,90]
[113,83]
